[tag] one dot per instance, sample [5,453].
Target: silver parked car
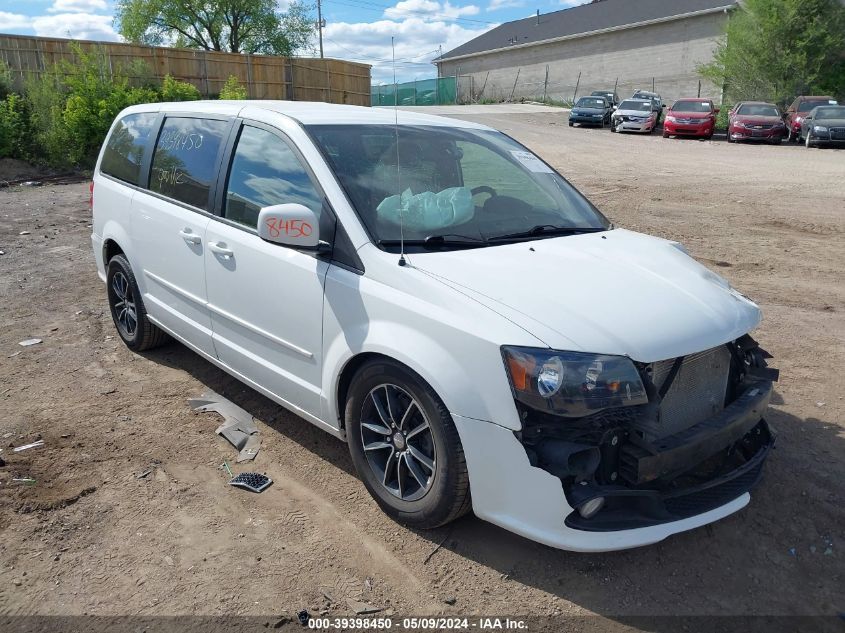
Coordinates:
[634,115]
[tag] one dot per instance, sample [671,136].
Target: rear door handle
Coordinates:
[189,236]
[219,248]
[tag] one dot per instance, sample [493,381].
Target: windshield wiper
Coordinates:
[547,229]
[436,241]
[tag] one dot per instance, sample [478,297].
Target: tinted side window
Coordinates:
[185,159]
[265,172]
[125,147]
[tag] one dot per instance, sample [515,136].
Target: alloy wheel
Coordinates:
[125,311]
[398,442]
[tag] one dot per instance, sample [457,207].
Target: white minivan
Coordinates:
[436,295]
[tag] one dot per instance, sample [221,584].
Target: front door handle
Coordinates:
[189,236]
[219,248]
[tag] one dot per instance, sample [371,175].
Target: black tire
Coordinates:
[571,124]
[144,335]
[447,496]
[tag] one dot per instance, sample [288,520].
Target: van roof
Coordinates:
[310,113]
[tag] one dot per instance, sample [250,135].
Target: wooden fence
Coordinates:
[265,76]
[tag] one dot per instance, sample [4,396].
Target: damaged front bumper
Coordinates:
[651,481]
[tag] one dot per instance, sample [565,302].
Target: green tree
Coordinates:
[233,89]
[235,26]
[777,49]
[175,90]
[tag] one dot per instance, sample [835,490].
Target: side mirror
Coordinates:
[289,224]
[663,106]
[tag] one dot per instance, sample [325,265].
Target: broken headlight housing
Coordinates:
[572,384]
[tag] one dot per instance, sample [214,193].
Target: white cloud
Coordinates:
[428,9]
[417,40]
[83,26]
[78,6]
[495,5]
[573,3]
[11,21]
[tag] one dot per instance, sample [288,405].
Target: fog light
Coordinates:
[589,508]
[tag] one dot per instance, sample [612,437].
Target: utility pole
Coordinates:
[321,23]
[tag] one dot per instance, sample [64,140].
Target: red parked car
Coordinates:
[691,117]
[799,109]
[755,121]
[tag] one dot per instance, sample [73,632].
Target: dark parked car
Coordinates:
[799,109]
[610,95]
[755,121]
[825,125]
[591,111]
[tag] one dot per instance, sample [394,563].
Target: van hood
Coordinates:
[615,292]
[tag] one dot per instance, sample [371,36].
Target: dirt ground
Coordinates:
[91,537]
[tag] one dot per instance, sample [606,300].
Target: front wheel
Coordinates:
[807,142]
[405,446]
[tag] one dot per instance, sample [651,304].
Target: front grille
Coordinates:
[697,393]
[837,133]
[688,121]
[760,127]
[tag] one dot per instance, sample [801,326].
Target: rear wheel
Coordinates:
[405,446]
[127,308]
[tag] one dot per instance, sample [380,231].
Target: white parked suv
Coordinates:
[436,295]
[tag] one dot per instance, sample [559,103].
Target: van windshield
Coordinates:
[458,187]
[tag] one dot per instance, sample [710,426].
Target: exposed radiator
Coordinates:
[697,393]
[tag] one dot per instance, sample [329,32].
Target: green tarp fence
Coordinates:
[440,91]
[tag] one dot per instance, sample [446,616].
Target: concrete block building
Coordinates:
[633,44]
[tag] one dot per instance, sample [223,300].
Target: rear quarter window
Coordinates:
[185,160]
[126,145]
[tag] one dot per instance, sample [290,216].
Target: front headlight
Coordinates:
[572,384]
[670,118]
[819,128]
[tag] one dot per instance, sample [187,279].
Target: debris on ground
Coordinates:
[303,617]
[30,341]
[239,427]
[146,473]
[24,233]
[450,600]
[24,480]
[255,482]
[362,608]
[26,447]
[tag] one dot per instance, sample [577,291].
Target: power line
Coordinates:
[380,8]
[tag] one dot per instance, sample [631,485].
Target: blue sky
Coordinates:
[358,30]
